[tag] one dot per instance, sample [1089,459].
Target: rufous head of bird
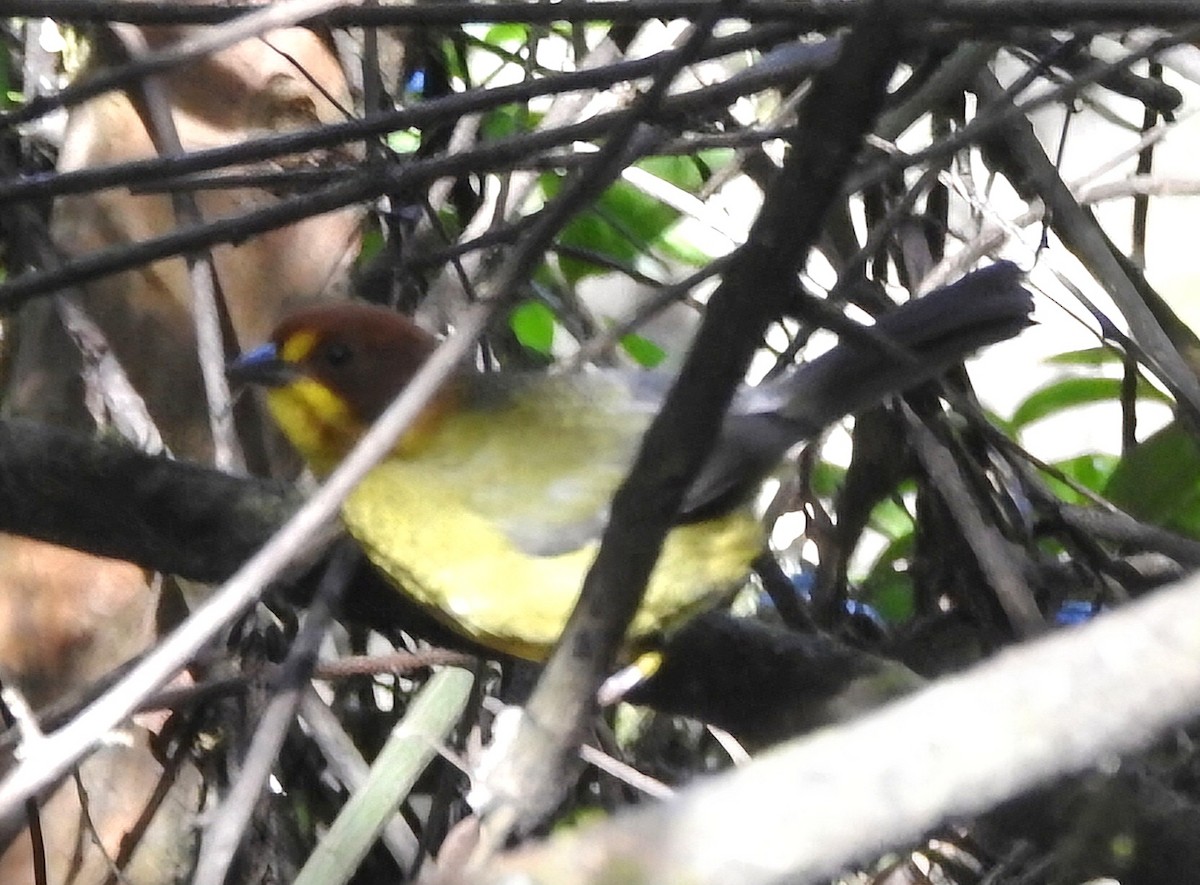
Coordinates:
[331,370]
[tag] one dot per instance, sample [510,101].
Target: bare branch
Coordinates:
[807,810]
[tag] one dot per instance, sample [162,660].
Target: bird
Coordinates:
[489,509]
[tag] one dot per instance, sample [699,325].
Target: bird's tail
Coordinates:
[938,330]
[935,332]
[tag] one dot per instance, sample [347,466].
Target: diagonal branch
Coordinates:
[756,289]
[808,809]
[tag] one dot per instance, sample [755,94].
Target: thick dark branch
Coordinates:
[494,155]
[197,45]
[808,809]
[498,154]
[813,13]
[764,683]
[424,114]
[104,497]
[104,262]
[756,289]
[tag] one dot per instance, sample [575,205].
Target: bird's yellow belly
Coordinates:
[463,567]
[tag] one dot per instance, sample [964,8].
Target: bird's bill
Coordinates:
[264,366]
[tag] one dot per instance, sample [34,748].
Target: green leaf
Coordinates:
[712,160]
[510,120]
[454,60]
[641,215]
[676,244]
[888,588]
[591,233]
[645,352]
[372,245]
[892,597]
[404,141]
[680,171]
[1092,471]
[1159,481]
[624,222]
[509,35]
[533,324]
[891,520]
[8,98]
[825,478]
[1070,392]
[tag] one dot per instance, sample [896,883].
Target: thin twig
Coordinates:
[210,313]
[421,115]
[223,836]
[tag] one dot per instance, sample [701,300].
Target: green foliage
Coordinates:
[644,228]
[1159,481]
[404,141]
[643,351]
[1091,471]
[891,519]
[888,588]
[617,227]
[533,324]
[626,221]
[8,97]
[683,172]
[1089,356]
[508,120]
[1070,392]
[372,245]
[509,35]
[824,479]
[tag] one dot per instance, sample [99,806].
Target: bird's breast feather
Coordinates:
[495,522]
[462,566]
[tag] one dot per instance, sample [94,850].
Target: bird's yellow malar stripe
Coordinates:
[323,427]
[298,346]
[316,420]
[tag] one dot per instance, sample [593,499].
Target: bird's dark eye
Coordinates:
[338,354]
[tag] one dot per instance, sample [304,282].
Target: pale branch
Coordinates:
[301,537]
[491,156]
[808,809]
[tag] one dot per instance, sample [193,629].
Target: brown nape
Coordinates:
[365,353]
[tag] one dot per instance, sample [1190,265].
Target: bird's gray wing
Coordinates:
[578,435]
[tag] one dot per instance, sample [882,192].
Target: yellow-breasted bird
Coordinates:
[489,510]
